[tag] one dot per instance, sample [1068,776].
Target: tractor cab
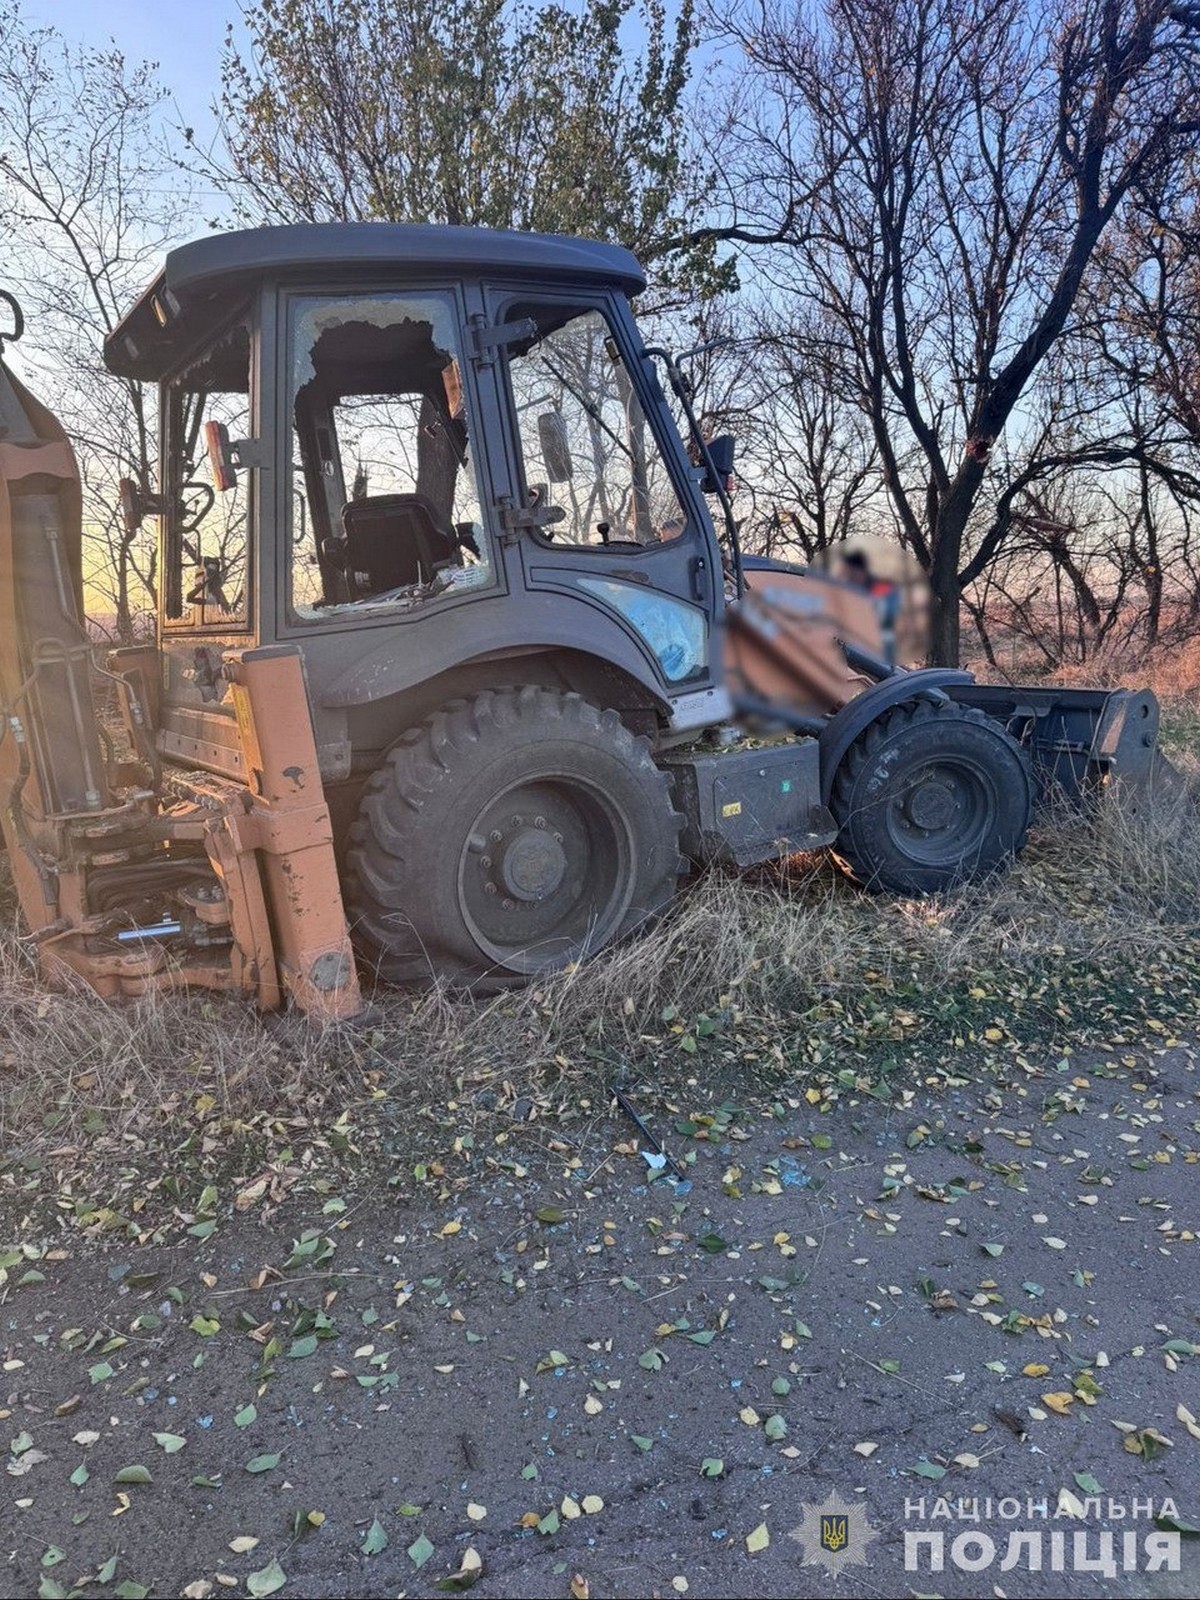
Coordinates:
[418,453]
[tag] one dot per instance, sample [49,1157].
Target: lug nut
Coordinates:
[489,888]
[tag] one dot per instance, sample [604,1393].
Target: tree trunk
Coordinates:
[944,622]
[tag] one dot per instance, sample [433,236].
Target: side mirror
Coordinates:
[556,446]
[722,451]
[136,506]
[220,455]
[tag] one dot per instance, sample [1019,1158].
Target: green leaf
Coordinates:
[549,1523]
[781,1386]
[108,1571]
[50,1589]
[642,1442]
[652,1360]
[712,1467]
[100,1372]
[554,1359]
[419,1551]
[172,1443]
[929,1469]
[551,1215]
[244,1417]
[266,1580]
[303,1347]
[376,1539]
[408,1510]
[712,1243]
[263,1463]
[53,1556]
[775,1428]
[132,1591]
[135,1474]
[204,1326]
[203,1230]
[80,1476]
[1087,1482]
[993,1249]
[1177,1524]
[705,1336]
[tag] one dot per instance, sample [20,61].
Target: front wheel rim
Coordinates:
[943,812]
[546,873]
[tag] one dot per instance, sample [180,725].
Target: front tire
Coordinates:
[931,796]
[510,835]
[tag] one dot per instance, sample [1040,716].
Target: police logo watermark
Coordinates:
[834,1535]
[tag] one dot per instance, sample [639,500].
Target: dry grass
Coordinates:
[764,978]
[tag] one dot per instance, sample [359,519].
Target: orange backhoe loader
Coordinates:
[452,659]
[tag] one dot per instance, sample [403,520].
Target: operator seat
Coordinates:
[396,541]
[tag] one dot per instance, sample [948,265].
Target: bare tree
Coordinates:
[970,156]
[89,203]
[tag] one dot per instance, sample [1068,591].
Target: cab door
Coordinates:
[606,505]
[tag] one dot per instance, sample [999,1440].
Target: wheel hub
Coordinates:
[930,805]
[531,864]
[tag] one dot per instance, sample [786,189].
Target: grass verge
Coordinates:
[785,985]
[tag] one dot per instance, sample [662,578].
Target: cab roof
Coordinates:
[201,282]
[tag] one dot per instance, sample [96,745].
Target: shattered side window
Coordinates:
[205,566]
[385,509]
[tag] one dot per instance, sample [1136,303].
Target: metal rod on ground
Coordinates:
[651,1139]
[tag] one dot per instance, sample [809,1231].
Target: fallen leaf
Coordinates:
[419,1551]
[266,1580]
[1060,1401]
[376,1539]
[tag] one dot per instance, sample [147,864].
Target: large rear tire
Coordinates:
[930,796]
[508,836]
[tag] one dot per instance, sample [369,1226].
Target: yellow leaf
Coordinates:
[450,1227]
[867,1447]
[1060,1402]
[592,1503]
[1035,1369]
[476,1512]
[749,1416]
[758,1540]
